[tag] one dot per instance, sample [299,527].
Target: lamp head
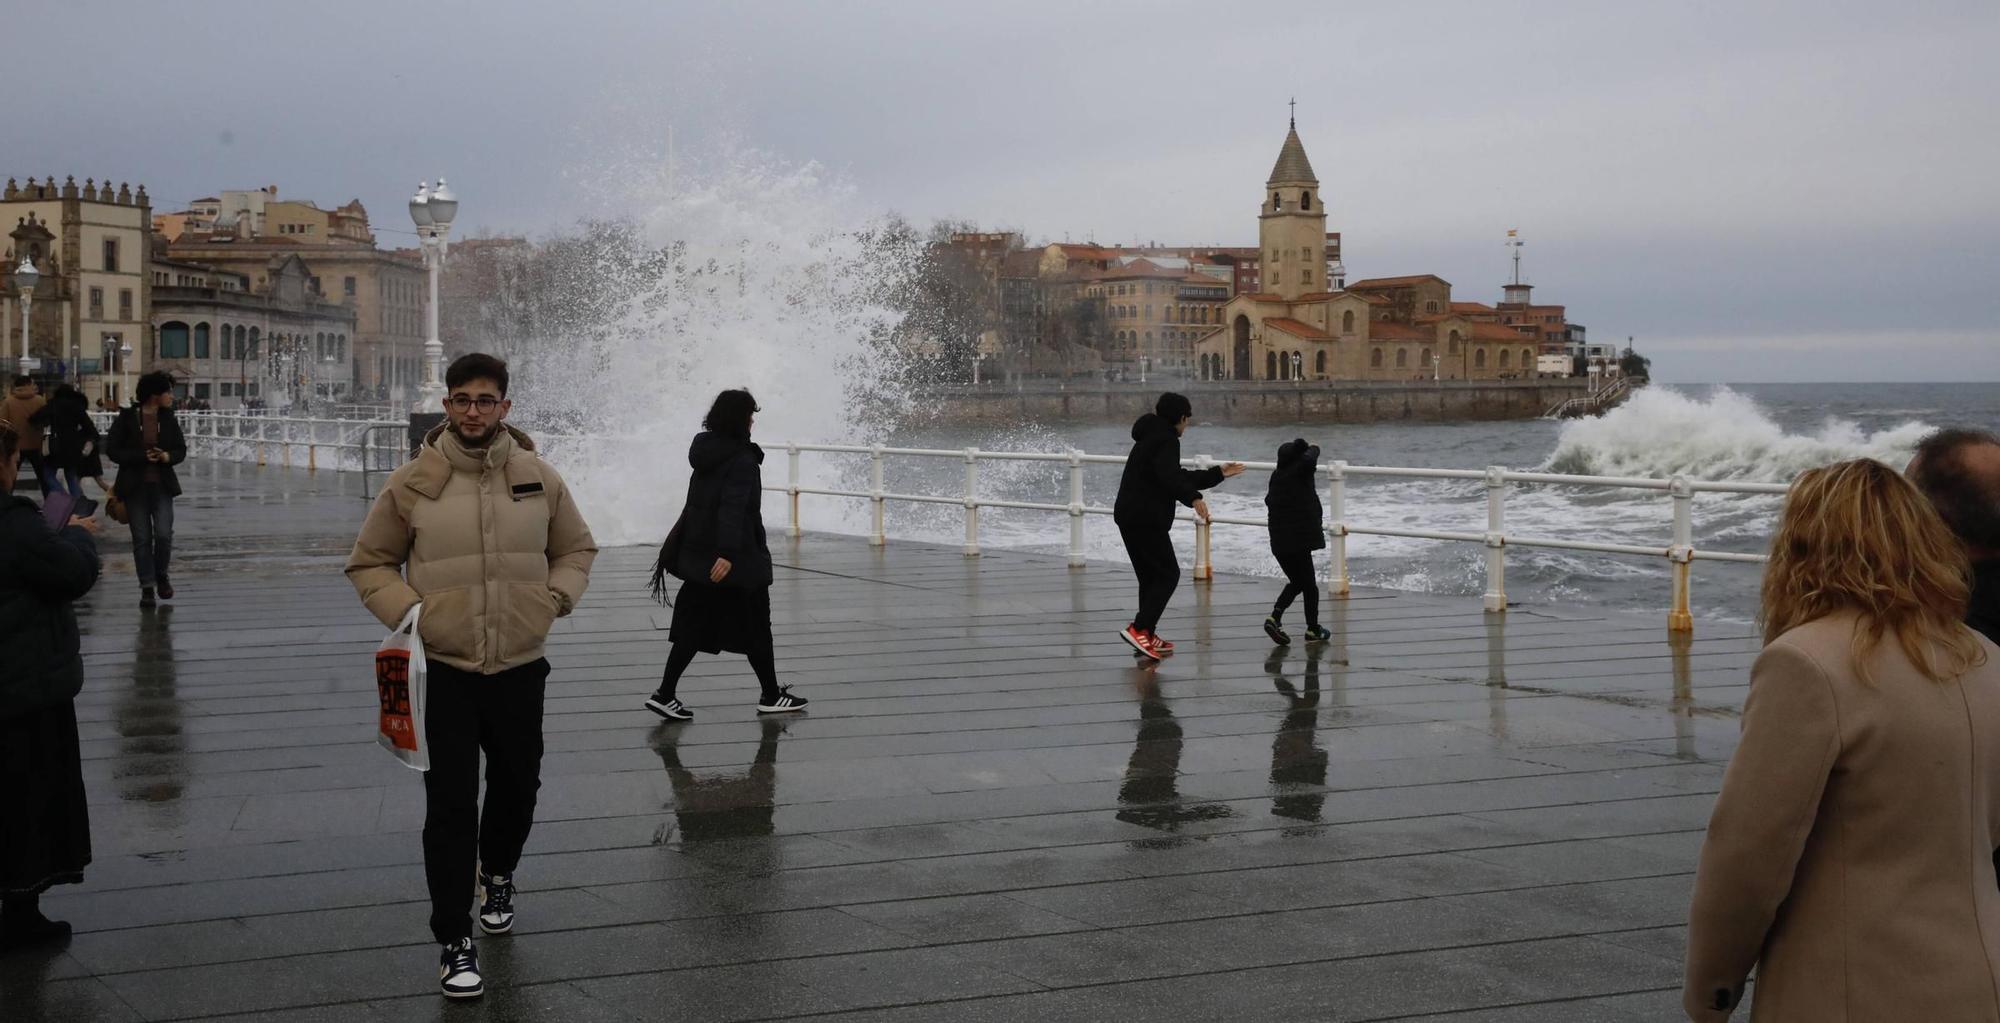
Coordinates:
[420,204]
[443,204]
[26,276]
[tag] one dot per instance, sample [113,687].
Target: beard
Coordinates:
[467,437]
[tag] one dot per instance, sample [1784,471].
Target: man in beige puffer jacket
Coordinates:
[484,534]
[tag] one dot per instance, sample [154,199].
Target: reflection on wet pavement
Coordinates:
[720,803]
[1298,764]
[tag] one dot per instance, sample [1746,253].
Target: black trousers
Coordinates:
[1298,567]
[1152,552]
[467,713]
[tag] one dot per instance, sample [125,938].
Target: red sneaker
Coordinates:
[1140,641]
[1163,646]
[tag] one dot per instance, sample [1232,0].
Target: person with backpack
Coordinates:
[1298,528]
[1153,482]
[719,552]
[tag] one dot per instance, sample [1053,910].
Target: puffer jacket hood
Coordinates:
[22,391]
[1150,426]
[710,450]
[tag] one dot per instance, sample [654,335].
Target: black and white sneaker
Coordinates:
[458,971]
[785,702]
[496,903]
[671,708]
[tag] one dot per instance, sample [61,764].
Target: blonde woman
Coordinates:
[1849,858]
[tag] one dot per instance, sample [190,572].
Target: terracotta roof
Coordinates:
[1497,332]
[1389,330]
[1292,164]
[1471,307]
[1396,282]
[1296,328]
[1262,296]
[1085,251]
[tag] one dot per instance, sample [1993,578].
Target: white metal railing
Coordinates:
[348,444]
[1680,554]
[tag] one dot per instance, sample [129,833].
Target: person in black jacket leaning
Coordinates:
[45,839]
[74,446]
[146,443]
[1298,528]
[719,551]
[1152,484]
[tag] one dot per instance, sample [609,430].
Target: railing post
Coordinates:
[1203,569]
[1681,555]
[1076,559]
[880,536]
[1496,539]
[971,502]
[792,485]
[312,457]
[1336,528]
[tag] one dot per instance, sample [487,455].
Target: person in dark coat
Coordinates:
[146,443]
[73,445]
[1152,484]
[1959,471]
[1298,528]
[718,550]
[45,837]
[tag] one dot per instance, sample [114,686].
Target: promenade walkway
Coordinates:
[989,813]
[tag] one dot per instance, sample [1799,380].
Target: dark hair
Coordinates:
[1968,502]
[476,366]
[158,381]
[22,380]
[731,413]
[1173,407]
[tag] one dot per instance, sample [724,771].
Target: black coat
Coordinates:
[1984,613]
[1154,480]
[1297,521]
[126,447]
[724,515]
[41,572]
[73,441]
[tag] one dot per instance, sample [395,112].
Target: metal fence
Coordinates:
[350,445]
[1680,554]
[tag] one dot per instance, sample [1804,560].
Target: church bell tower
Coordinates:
[1292,225]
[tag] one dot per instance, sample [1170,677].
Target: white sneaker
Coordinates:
[458,971]
[785,703]
[496,903]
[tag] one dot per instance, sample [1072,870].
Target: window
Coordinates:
[1305,276]
[1454,343]
[1305,252]
[1430,307]
[1402,358]
[228,389]
[1479,359]
[1275,204]
[256,335]
[1347,322]
[97,303]
[1375,358]
[347,286]
[201,340]
[1270,365]
[313,282]
[1527,358]
[124,303]
[1305,200]
[1425,359]
[1319,362]
[201,390]
[111,255]
[173,340]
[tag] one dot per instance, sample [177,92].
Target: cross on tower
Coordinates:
[1294,104]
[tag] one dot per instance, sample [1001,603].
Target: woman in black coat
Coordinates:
[44,819]
[1298,528]
[718,550]
[74,446]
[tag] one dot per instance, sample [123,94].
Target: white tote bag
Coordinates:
[399,679]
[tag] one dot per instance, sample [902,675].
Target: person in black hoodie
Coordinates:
[74,446]
[1152,484]
[718,551]
[44,816]
[1297,530]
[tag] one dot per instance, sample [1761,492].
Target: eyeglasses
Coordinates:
[485,403]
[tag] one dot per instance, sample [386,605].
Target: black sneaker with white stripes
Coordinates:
[783,703]
[458,971]
[496,903]
[670,708]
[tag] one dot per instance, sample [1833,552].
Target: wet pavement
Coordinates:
[988,814]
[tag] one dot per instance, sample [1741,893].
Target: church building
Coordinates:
[1303,326]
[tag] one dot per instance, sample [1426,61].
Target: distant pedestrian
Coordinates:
[1849,855]
[44,817]
[1152,484]
[73,443]
[1959,470]
[1298,528]
[23,405]
[146,443]
[487,537]
[719,553]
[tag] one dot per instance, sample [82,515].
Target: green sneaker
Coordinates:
[1317,634]
[1276,632]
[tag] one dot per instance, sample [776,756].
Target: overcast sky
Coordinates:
[1756,191]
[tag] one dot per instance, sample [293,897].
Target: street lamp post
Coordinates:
[433,209]
[124,370]
[25,278]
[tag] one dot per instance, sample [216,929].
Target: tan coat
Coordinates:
[21,403]
[1850,856]
[494,547]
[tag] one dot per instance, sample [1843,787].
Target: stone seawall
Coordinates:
[1258,403]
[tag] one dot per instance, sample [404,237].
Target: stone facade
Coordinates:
[90,244]
[231,344]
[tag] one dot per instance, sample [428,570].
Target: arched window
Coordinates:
[1453,350]
[1347,322]
[1284,367]
[1527,359]
[1375,358]
[1505,358]
[1305,276]
[1402,358]
[1424,360]
[1319,362]
[242,342]
[1305,200]
[256,337]
[174,340]
[1275,204]
[1270,365]
[201,340]
[1479,358]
